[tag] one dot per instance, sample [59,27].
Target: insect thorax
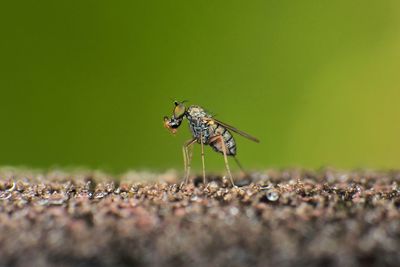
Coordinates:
[197,123]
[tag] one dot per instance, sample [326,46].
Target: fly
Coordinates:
[205,130]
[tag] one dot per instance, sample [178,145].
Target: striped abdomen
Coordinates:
[230,144]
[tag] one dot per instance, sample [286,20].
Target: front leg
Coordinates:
[187,157]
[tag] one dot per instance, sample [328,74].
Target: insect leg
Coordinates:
[187,157]
[240,166]
[189,150]
[226,159]
[202,158]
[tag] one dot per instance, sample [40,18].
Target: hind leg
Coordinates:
[244,173]
[202,159]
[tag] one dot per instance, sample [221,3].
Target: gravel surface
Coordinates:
[286,218]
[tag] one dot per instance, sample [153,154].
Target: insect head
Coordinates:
[177,117]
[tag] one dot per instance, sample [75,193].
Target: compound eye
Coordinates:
[179,110]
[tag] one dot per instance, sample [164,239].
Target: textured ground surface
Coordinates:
[285,218]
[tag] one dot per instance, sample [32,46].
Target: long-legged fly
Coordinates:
[206,130]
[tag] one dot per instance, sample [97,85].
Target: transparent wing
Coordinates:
[252,138]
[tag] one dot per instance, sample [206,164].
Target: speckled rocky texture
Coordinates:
[276,218]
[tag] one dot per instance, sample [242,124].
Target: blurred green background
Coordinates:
[86,83]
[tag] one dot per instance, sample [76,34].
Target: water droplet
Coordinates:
[272,195]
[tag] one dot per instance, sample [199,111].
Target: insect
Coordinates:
[206,130]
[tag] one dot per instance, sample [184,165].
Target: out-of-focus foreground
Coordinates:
[285,218]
